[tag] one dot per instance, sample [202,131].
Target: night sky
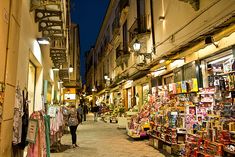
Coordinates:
[89,15]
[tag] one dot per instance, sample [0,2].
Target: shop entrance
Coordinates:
[31,86]
[145,93]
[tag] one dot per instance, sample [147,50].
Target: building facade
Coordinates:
[28,64]
[169,33]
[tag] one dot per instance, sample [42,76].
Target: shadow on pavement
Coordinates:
[60,148]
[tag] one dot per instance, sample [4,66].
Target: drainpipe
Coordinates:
[152,26]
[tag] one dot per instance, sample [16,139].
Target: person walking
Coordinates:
[85,110]
[95,110]
[80,111]
[73,123]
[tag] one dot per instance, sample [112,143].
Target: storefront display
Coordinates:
[110,113]
[139,123]
[215,112]
[187,119]
[145,93]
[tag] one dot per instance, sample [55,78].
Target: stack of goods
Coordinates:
[140,123]
[174,115]
[214,119]
[105,112]
[192,144]
[57,123]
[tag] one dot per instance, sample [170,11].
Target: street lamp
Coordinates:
[136,46]
[94,89]
[161,18]
[70,69]
[106,76]
[43,41]
[55,69]
[60,81]
[210,40]
[162,61]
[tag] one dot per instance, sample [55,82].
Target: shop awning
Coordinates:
[139,74]
[101,92]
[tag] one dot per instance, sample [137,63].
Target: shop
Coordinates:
[69,96]
[137,116]
[191,110]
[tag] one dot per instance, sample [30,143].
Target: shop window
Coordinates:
[178,73]
[189,71]
[145,93]
[217,69]
[129,98]
[168,79]
[125,38]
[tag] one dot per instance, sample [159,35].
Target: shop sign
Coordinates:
[128,84]
[177,63]
[32,131]
[52,111]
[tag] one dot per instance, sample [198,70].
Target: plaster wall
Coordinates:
[4,24]
[10,17]
[30,51]
[182,23]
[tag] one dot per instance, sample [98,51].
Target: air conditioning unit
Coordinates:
[140,61]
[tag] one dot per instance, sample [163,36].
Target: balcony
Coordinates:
[48,14]
[123,4]
[116,27]
[42,3]
[124,8]
[139,29]
[122,58]
[108,47]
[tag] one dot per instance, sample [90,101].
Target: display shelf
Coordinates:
[204,154]
[162,140]
[184,93]
[206,93]
[226,73]
[133,136]
[228,151]
[207,101]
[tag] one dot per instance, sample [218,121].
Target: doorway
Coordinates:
[31,86]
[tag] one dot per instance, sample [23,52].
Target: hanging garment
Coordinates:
[47,132]
[38,149]
[25,121]
[17,121]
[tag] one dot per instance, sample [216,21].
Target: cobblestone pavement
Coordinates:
[99,139]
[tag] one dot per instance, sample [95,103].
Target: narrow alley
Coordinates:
[100,139]
[158,74]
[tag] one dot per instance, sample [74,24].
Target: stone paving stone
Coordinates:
[99,139]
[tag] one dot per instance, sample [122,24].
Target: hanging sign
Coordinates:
[32,131]
[52,111]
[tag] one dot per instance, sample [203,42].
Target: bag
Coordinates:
[73,121]
[73,118]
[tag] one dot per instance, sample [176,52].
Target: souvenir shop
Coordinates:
[137,120]
[110,104]
[36,134]
[191,109]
